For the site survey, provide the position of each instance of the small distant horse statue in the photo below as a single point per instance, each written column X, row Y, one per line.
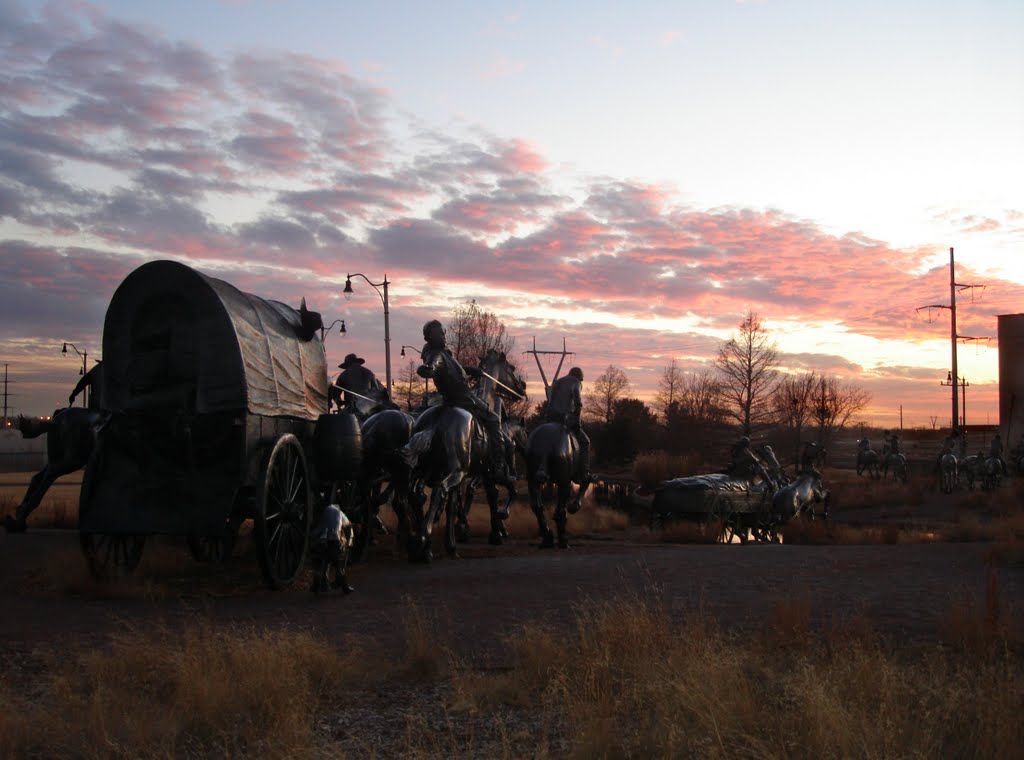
column 949, row 473
column 896, row 462
column 70, row 439
column 447, row 448
column 553, row 457
column 867, row 462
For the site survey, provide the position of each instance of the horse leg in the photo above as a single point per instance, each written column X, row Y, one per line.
column 37, row 488
column 416, row 520
column 420, row 549
column 495, row 537
column 452, row 504
column 465, row 505
column 547, row 540
column 564, row 491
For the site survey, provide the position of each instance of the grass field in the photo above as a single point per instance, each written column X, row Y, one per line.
column 625, row 680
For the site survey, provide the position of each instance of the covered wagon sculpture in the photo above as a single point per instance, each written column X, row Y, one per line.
column 724, row 504
column 217, row 402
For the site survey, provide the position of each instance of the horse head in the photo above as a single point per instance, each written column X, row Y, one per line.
column 509, row 382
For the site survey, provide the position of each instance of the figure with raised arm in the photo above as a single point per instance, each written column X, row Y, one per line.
column 452, row 381
column 565, row 407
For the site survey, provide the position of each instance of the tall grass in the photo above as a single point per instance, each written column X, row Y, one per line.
column 628, row 678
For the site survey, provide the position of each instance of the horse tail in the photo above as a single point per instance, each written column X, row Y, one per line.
column 417, row 446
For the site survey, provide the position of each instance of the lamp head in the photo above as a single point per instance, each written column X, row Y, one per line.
column 348, row 287
column 403, row 351
column 342, row 329
column 949, row 376
column 65, row 349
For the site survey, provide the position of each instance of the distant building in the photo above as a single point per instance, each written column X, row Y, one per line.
column 1011, row 376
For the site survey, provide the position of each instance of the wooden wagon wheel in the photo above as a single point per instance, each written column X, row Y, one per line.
column 108, row 555
column 721, row 511
column 284, row 511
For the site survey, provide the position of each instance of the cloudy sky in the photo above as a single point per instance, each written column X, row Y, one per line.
column 631, row 178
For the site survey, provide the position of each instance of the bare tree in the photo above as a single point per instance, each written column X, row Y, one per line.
column 612, row 385
column 833, row 403
column 410, row 388
column 473, row 330
column 746, row 363
column 812, row 399
column 471, row 333
column 669, row 389
column 792, row 402
column 700, row 396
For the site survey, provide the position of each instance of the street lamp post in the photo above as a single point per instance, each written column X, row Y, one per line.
column 325, row 331
column 83, row 370
column 387, row 326
column 426, row 380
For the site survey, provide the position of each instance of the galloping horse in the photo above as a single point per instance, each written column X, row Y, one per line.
column 498, row 379
column 70, row 439
column 553, row 456
column 867, row 461
column 799, row 497
column 447, row 448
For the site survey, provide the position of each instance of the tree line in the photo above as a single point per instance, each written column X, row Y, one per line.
column 744, row 390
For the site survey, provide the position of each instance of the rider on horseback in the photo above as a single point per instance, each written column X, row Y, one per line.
column 93, row 380
column 565, row 406
column 452, row 382
column 809, row 458
column 356, row 381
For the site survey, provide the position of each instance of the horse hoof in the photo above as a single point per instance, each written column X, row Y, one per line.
column 494, row 539
column 563, row 543
column 14, row 525
column 547, row 543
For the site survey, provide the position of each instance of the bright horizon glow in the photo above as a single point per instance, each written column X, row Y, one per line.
column 632, row 180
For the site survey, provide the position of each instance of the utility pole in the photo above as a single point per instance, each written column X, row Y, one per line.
column 536, row 357
column 7, row 395
column 954, row 377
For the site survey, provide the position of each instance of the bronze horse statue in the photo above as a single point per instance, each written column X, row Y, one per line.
column 447, row 449
column 553, row 458
column 868, row 462
column 498, row 380
column 70, row 440
column 798, row 499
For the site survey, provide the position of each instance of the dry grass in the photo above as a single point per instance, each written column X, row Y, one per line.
column 627, row 679
column 654, row 467
column 852, row 491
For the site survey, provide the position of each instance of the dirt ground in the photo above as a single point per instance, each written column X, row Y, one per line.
column 905, row 591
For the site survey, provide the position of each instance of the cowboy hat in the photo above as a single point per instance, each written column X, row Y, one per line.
column 350, row 361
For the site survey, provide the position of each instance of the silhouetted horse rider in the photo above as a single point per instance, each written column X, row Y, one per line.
column 354, row 385
column 565, row 406
column 452, row 381
column 745, row 464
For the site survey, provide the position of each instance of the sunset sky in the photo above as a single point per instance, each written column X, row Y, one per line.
column 629, row 177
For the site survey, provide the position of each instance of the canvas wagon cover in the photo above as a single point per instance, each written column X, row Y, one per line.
column 175, row 338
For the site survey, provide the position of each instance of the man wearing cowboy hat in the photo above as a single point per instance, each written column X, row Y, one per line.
column 356, row 378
